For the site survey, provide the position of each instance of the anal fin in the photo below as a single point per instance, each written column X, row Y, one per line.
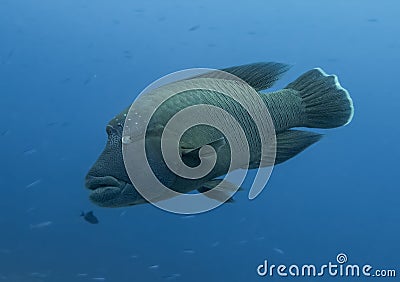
column 292, row 142
column 219, row 190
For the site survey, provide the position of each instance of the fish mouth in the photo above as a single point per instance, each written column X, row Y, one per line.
column 98, row 182
column 107, row 191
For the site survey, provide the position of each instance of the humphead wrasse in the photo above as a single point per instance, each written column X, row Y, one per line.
column 314, row 100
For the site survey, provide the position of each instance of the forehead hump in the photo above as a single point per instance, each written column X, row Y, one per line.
column 119, row 119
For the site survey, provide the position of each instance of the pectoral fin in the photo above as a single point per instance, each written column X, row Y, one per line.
column 186, row 148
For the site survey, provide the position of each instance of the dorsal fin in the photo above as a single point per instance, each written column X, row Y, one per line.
column 261, row 75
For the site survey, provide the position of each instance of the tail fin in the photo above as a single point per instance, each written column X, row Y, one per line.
column 327, row 104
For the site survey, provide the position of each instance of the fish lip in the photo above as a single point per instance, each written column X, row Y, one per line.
column 109, row 192
column 116, row 196
column 104, row 190
column 95, row 182
column 104, row 196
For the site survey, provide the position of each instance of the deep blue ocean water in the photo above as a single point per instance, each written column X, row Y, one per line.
column 67, row 67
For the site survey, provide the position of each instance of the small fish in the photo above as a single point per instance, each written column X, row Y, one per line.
column 82, row 275
column 41, row 224
column 90, row 217
column 8, row 57
column 65, row 80
column 193, row 28
column 10, row 54
column 34, row 183
column 89, row 79
column 155, row 266
column 172, row 276
column 99, row 278
column 5, row 132
column 189, row 251
column 52, row 123
column 30, row 152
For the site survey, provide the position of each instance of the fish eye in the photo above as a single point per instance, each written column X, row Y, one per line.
column 109, row 129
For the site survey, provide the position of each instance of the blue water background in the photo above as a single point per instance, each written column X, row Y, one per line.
column 67, row 67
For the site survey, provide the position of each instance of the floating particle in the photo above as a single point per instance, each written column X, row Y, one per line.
column 38, row 275
column 188, row 216
column 41, row 224
column 279, row 251
column 215, row 244
column 5, row 251
column 30, row 210
column 33, row 184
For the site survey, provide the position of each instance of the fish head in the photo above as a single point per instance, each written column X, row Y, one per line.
column 107, row 179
